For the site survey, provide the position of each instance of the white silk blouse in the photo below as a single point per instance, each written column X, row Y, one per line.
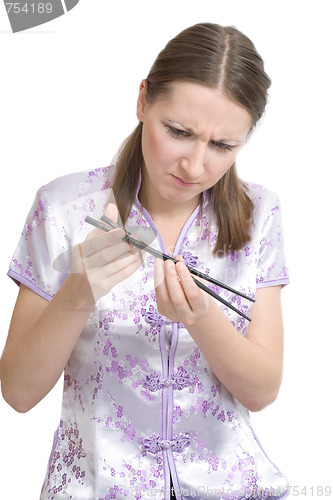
column 140, row 402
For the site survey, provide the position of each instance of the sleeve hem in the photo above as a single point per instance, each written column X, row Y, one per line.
column 281, row 282
column 17, row 278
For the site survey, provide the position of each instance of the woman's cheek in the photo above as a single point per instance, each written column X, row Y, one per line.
column 153, row 146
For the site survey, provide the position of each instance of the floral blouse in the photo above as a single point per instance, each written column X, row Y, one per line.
column 140, row 402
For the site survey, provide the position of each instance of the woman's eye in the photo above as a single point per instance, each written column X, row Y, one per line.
column 221, row 146
column 178, row 133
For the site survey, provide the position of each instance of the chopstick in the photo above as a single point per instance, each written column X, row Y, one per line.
column 156, row 253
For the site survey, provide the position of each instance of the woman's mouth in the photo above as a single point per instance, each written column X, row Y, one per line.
column 181, row 182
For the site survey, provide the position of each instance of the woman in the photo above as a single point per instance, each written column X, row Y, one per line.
column 159, row 377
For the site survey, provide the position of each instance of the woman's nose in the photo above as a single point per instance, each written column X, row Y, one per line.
column 194, row 160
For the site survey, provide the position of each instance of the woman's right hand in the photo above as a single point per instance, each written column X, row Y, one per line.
column 103, row 260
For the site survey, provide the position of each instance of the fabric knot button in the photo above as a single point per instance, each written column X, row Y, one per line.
column 155, row 444
column 182, row 379
column 166, row 444
column 190, row 260
column 152, row 382
column 179, row 380
column 153, row 317
column 152, row 444
column 181, row 442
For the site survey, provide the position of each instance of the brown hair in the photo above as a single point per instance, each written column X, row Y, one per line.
column 218, row 57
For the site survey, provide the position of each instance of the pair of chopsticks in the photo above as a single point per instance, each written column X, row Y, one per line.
column 156, row 253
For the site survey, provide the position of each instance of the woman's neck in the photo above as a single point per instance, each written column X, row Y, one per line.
column 169, row 218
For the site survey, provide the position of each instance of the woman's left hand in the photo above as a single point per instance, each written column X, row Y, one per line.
column 177, row 296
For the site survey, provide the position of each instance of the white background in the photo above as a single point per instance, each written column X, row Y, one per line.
column 67, row 99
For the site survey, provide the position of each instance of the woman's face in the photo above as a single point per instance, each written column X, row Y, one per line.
column 190, row 138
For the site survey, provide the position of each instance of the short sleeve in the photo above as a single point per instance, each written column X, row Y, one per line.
column 271, row 268
column 42, row 258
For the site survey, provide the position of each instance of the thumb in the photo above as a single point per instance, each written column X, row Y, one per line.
column 111, row 211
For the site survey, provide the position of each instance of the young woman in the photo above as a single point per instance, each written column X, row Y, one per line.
column 159, row 376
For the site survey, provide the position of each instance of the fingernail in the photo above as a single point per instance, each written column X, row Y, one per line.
column 180, row 268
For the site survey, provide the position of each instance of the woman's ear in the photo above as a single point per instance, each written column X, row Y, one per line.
column 141, row 102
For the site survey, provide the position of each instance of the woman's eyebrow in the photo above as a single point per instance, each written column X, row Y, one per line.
column 188, row 129
column 178, row 124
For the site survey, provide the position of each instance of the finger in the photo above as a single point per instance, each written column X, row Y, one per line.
column 111, row 254
column 102, row 280
column 119, row 266
column 111, row 211
column 121, row 275
column 192, row 292
column 95, row 232
column 114, row 267
column 174, row 285
column 97, row 241
column 186, row 272
column 159, row 280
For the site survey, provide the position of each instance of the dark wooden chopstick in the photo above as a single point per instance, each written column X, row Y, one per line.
column 156, row 253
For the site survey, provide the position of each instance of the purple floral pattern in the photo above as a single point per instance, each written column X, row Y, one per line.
column 64, row 463
column 134, row 377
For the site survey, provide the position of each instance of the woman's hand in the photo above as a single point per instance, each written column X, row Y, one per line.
column 249, row 367
column 103, row 260
column 177, row 296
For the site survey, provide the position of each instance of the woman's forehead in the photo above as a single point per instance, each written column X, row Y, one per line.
column 200, row 109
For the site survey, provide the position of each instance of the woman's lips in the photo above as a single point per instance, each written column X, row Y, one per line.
column 180, row 181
